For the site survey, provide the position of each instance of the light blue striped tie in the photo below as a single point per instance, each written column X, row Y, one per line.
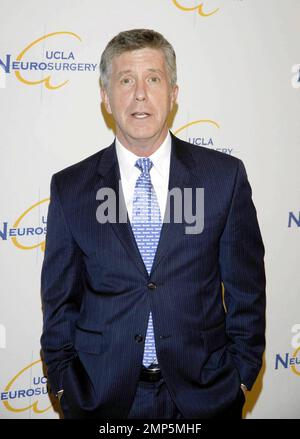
column 146, row 226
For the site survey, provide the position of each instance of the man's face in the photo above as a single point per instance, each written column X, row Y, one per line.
column 140, row 97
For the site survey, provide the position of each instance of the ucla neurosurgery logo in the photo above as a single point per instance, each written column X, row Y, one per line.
column 207, row 133
column 203, row 8
column 48, row 60
column 27, row 390
column 290, row 360
column 28, row 231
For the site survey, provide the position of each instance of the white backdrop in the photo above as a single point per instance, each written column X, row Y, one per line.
column 239, row 79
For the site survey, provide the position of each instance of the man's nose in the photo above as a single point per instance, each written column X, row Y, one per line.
column 140, row 91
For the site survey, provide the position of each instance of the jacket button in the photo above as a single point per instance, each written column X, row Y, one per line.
column 151, row 286
column 139, row 338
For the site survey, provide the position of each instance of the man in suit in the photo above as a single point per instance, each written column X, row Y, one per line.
column 143, row 318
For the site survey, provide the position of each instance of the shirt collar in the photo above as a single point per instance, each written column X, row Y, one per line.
column 160, row 158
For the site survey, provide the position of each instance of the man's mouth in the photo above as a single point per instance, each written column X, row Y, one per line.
column 140, row 115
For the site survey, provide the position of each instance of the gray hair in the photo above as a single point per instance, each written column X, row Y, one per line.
column 135, row 39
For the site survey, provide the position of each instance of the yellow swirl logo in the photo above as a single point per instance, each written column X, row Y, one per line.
column 17, row 226
column 288, row 360
column 196, row 122
column 45, row 80
column 47, row 60
column 29, row 228
column 199, row 8
column 295, row 360
column 206, row 133
column 17, row 394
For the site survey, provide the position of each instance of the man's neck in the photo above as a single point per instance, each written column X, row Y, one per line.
column 142, row 147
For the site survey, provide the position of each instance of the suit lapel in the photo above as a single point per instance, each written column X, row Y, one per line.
column 181, row 167
column 109, row 170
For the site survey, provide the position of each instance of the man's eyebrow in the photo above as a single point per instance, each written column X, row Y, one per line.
column 126, row 72
column 156, row 71
column 123, row 72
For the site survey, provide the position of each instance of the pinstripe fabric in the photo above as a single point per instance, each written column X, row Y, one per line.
column 146, row 226
column 96, row 299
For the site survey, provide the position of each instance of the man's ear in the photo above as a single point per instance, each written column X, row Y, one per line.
column 105, row 99
column 174, row 94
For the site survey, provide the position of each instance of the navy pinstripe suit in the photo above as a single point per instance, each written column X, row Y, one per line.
column 97, row 298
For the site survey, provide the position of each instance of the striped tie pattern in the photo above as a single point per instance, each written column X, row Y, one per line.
column 146, row 226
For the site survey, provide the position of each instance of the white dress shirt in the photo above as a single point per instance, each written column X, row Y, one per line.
column 159, row 173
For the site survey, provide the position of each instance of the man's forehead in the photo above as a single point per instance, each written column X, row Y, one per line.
column 154, row 58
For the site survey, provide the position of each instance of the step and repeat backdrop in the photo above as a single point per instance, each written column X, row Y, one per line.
column 239, row 80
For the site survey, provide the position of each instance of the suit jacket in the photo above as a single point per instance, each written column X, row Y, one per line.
column 97, row 295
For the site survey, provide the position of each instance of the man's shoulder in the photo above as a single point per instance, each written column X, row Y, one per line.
column 82, row 170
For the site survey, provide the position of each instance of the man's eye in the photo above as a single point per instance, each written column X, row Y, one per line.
column 154, row 79
column 126, row 81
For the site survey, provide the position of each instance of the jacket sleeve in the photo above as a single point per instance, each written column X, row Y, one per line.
column 60, row 290
column 241, row 262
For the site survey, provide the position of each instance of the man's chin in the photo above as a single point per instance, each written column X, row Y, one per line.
column 143, row 136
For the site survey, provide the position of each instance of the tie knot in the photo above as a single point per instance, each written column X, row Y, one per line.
column 144, row 164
